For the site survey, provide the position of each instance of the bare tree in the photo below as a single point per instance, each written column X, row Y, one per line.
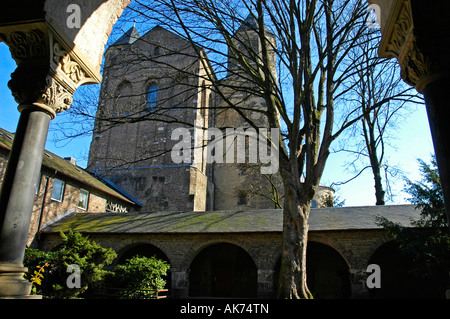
column 298, row 66
column 313, row 40
column 377, row 91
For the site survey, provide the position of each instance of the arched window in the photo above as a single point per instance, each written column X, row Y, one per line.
column 203, row 103
column 152, row 96
column 123, row 89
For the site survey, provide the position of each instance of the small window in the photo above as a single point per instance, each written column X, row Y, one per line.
column 123, row 89
column 203, row 103
column 242, row 198
column 156, row 50
column 84, row 199
column 58, row 190
column 152, row 96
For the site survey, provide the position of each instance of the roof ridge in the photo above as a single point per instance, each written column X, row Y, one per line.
column 128, row 37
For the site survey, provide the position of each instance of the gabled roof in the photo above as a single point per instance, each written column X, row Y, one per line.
column 74, row 172
column 267, row 220
column 129, row 37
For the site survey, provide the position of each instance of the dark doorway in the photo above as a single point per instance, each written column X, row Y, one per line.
column 328, row 275
column 398, row 280
column 223, row 270
column 222, row 285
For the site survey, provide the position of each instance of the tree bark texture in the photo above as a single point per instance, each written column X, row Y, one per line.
column 292, row 283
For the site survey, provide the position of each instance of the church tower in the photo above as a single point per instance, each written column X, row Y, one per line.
column 241, row 185
column 143, row 100
column 156, row 85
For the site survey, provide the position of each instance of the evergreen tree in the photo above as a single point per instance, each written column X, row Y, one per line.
column 428, row 242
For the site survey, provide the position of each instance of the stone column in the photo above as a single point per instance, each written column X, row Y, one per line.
column 43, row 85
column 17, row 198
column 180, row 283
column 358, row 278
column 265, row 284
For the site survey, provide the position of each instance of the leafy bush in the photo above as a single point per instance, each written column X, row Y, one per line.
column 75, row 249
column 88, row 255
column 141, row 277
column 39, row 264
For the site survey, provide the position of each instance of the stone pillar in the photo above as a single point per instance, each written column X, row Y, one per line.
column 438, row 105
column 17, row 198
column 180, row 283
column 265, row 284
column 43, row 85
column 358, row 278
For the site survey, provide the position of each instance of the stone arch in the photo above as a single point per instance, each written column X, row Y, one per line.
column 393, row 271
column 333, row 244
column 122, row 89
column 223, row 270
column 122, row 97
column 328, row 272
column 53, row 59
column 197, row 249
column 142, row 249
column 395, row 277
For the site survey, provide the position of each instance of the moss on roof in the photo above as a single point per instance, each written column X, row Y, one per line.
column 166, row 222
column 268, row 220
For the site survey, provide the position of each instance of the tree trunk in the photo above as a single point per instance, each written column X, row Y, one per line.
column 369, row 128
column 292, row 281
column 375, row 164
column 379, row 192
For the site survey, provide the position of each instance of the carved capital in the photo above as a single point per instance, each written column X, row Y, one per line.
column 26, row 45
column 55, row 99
column 48, row 70
column 39, row 90
column 406, row 39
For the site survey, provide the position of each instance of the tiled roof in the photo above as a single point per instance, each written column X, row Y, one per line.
column 269, row 220
column 54, row 162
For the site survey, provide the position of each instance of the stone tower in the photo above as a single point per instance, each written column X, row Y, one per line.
column 155, row 85
column 142, row 102
column 241, row 185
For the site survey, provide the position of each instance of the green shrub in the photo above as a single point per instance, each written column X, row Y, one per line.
column 75, row 249
column 88, row 255
column 141, row 277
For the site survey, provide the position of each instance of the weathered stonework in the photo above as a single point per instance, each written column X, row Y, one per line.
column 355, row 248
column 136, row 154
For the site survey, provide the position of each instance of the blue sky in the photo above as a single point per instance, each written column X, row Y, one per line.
column 412, row 141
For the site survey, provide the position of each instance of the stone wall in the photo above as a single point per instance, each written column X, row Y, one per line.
column 353, row 246
column 135, row 152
